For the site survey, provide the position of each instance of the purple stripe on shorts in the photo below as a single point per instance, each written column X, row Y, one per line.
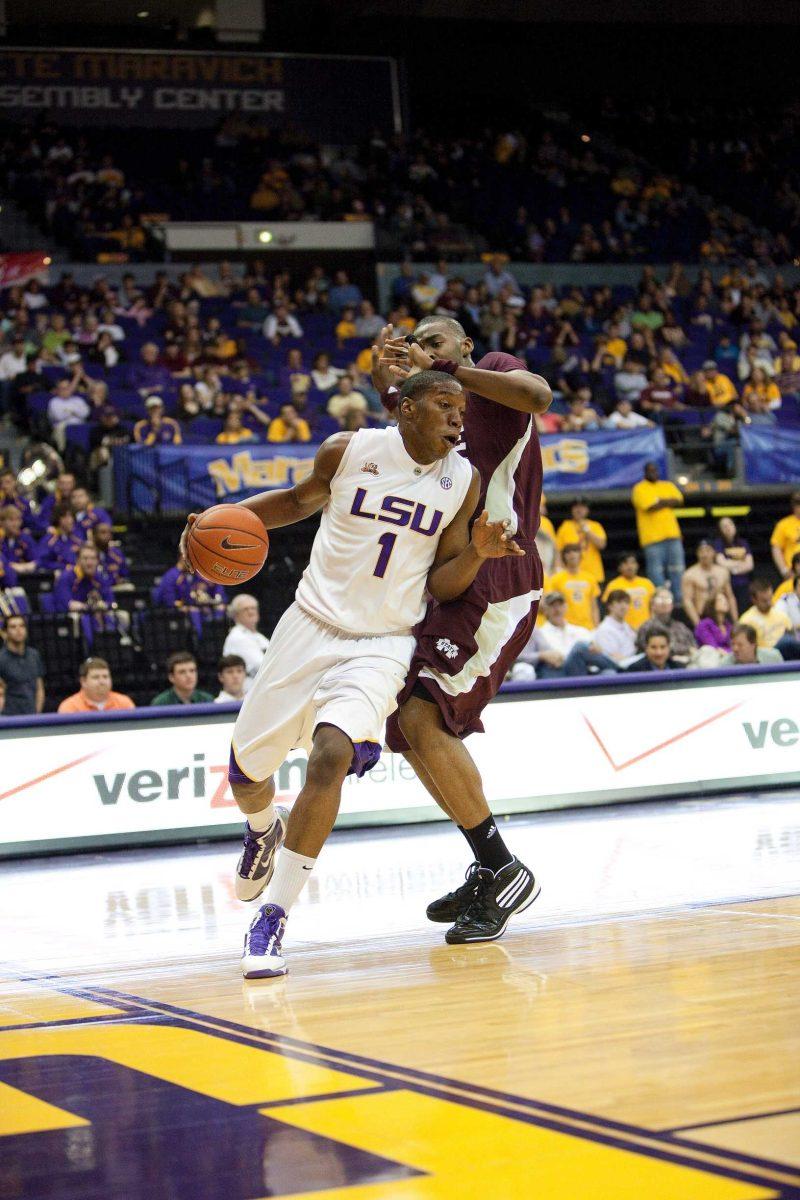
column 235, row 772
column 365, row 756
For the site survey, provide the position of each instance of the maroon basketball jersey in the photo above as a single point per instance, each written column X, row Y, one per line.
column 504, row 445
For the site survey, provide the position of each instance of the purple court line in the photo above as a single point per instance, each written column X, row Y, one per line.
column 775, row 1112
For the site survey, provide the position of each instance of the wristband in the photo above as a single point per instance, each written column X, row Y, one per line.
column 390, row 399
column 446, row 365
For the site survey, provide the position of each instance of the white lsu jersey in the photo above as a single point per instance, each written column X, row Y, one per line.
column 378, row 535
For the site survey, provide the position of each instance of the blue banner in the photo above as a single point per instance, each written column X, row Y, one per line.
column 607, row 459
column 174, row 480
column 771, row 455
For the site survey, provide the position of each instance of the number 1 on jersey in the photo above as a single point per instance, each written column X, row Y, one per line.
column 386, row 542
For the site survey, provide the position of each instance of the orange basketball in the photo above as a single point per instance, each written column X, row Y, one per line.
column 227, row 544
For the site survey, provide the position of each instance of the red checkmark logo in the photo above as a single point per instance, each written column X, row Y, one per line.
column 661, row 745
column 49, row 774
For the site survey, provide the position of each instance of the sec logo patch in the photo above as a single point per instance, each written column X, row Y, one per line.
column 446, row 482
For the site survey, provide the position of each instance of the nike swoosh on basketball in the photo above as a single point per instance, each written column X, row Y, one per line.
column 227, row 544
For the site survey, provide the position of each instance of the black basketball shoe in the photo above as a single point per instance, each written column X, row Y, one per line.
column 448, row 907
column 496, row 899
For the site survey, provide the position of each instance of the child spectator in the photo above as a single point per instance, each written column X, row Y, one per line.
column 715, row 625
column 579, row 530
column 579, row 589
column 182, row 676
column 581, row 417
column 94, row 693
column 638, row 588
column 232, row 677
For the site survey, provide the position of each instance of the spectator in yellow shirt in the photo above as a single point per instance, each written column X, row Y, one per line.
column 639, row 589
column 589, row 535
column 289, row 427
column 761, row 395
column 579, row 589
column 784, row 589
column 346, row 327
column 654, row 499
column 615, row 344
column 234, row 431
column 785, row 540
column 773, row 627
column 719, row 388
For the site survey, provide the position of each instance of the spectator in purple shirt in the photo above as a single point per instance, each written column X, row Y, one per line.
column 84, row 587
column 181, row 588
column 59, row 548
column 148, row 375
column 715, row 624
column 86, row 512
column 17, row 548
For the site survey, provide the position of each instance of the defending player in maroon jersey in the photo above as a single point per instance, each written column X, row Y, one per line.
column 465, row 648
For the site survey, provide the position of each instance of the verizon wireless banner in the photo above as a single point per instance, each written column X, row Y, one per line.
column 136, row 782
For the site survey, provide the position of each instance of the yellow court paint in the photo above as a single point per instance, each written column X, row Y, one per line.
column 469, row 1154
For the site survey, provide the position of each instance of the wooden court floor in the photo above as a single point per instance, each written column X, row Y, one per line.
column 634, row 1035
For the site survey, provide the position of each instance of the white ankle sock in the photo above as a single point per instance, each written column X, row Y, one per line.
column 260, row 822
column 292, row 873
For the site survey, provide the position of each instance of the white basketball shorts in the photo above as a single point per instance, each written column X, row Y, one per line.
column 311, row 675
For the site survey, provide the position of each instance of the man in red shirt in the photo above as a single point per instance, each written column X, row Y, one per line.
column 466, row 646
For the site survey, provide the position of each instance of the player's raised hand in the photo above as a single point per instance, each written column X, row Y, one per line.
column 190, row 520
column 491, row 539
column 416, row 360
column 391, row 349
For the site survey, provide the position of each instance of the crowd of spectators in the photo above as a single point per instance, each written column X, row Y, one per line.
column 563, row 189
column 216, row 356
column 714, row 613
column 246, row 355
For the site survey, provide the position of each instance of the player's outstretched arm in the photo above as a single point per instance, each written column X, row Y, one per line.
column 520, row 390
column 459, row 555
column 287, row 506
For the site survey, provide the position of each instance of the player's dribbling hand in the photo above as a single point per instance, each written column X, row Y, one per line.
column 190, row 520
column 491, row 539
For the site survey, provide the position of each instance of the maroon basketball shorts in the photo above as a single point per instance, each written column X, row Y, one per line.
column 464, row 650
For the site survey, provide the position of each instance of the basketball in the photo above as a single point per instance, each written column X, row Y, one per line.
column 227, row 544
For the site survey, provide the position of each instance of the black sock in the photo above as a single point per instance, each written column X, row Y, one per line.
column 468, row 838
column 489, row 847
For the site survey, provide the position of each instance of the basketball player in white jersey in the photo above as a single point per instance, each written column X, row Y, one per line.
column 397, row 505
